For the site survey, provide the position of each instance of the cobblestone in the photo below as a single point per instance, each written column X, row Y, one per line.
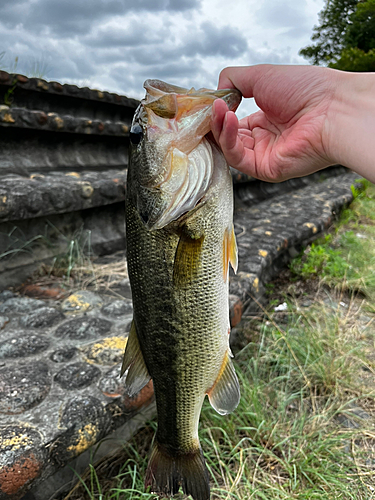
column 81, row 301
column 83, row 328
column 117, row 308
column 20, row 305
column 23, row 386
column 41, row 318
column 19, row 347
column 77, row 375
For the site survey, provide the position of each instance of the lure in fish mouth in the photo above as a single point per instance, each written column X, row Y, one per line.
column 180, row 242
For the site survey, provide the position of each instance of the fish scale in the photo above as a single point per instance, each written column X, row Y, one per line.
column 179, row 279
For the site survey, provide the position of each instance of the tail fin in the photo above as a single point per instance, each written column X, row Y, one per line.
column 165, row 473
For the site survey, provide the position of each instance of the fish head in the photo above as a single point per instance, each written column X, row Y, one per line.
column 171, row 164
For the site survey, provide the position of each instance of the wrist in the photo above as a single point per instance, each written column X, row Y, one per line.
column 349, row 132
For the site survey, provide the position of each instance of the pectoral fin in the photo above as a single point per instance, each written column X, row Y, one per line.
column 229, row 252
column 224, row 395
column 133, row 361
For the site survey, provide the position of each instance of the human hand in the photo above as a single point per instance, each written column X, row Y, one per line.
column 289, row 136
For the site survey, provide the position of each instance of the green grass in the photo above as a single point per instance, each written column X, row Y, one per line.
column 301, row 373
column 345, row 257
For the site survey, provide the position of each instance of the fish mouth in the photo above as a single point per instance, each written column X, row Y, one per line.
column 183, row 114
column 171, row 97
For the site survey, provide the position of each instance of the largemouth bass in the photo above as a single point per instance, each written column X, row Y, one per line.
column 180, row 241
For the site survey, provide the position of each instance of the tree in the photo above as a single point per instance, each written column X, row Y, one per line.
column 361, row 31
column 345, row 38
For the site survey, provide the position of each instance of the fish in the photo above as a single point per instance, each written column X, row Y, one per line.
column 180, row 242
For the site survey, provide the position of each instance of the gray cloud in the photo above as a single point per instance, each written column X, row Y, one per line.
column 212, row 40
column 131, row 34
column 65, row 17
column 13, row 13
column 204, row 40
column 287, row 14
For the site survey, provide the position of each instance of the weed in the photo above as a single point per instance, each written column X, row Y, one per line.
column 37, row 69
column 75, row 261
column 16, row 243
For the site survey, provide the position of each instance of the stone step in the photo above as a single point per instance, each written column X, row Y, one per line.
column 64, row 99
column 49, row 127
column 60, row 391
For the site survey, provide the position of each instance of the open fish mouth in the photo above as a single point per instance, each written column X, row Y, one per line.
column 177, row 166
column 170, row 101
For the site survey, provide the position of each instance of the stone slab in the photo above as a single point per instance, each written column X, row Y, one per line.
column 56, row 193
column 39, row 120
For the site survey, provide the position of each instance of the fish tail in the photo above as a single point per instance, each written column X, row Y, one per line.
column 166, row 473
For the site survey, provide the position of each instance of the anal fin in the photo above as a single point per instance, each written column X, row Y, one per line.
column 137, row 376
column 224, row 395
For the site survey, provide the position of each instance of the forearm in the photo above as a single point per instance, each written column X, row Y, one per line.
column 349, row 132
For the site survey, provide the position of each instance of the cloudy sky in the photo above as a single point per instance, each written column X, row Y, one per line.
column 115, row 45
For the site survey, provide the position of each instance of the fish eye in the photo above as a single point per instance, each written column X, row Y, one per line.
column 136, row 134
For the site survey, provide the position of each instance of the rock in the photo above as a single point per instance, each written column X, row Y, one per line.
column 345, row 418
column 81, row 410
column 41, row 318
column 108, row 351
column 22, row 459
column 22, row 387
column 111, row 384
column 77, row 375
column 19, row 347
column 118, row 308
column 81, row 301
column 20, row 305
column 5, row 295
column 84, row 328
column 62, row 355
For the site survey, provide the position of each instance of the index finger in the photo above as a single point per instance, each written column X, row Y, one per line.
column 243, row 78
